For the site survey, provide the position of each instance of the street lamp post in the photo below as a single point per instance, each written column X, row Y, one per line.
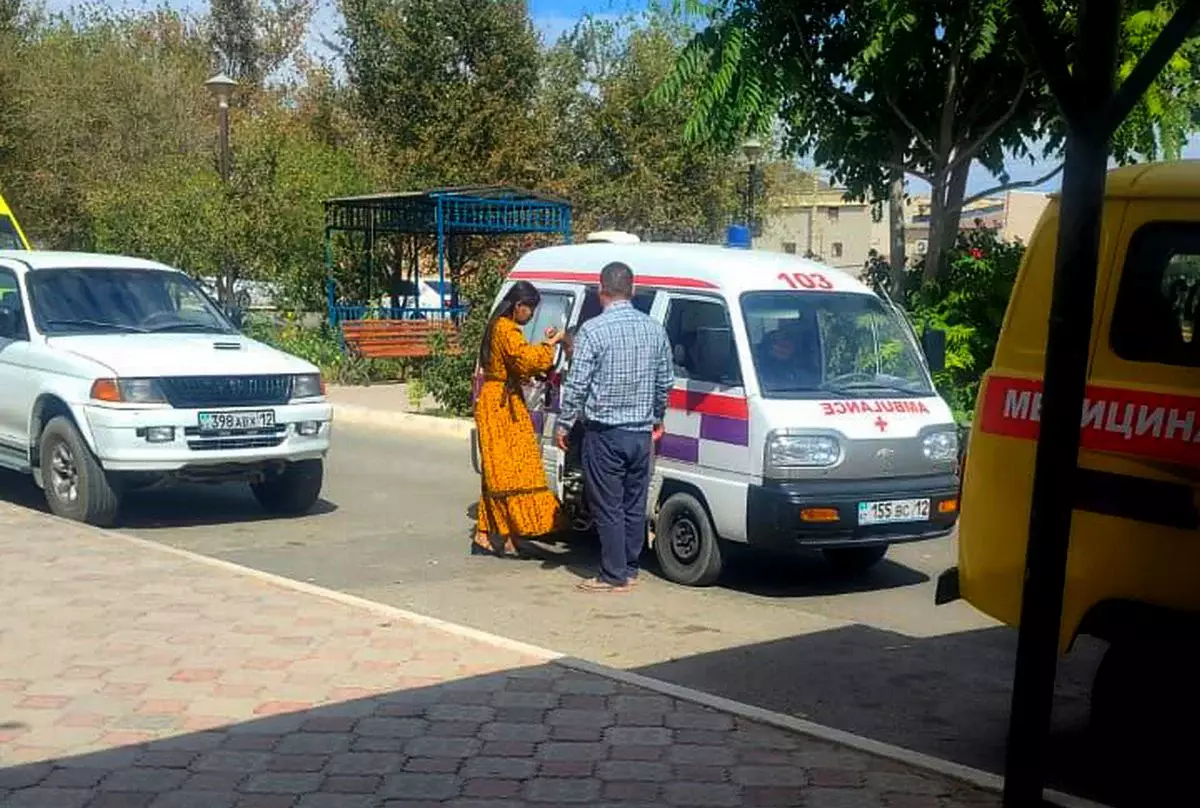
column 221, row 86
column 753, row 149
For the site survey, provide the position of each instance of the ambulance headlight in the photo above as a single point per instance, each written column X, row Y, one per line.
column 802, row 451
column 941, row 446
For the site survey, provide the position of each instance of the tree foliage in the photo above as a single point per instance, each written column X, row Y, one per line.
column 874, row 91
column 449, row 85
column 616, row 149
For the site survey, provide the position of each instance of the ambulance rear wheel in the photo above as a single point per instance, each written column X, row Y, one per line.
column 686, row 543
column 855, row 560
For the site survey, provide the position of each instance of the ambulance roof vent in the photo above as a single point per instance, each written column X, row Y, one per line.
column 612, row 237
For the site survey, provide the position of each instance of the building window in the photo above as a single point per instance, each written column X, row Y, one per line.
column 833, row 214
column 1157, row 301
column 789, row 247
column 836, row 249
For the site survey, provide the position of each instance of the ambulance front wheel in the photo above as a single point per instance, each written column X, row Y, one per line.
column 686, row 543
column 855, row 560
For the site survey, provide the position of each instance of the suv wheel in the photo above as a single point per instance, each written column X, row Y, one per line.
column 75, row 485
column 293, row 491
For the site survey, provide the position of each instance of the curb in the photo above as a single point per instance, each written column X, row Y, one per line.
column 918, row 760
column 407, row 422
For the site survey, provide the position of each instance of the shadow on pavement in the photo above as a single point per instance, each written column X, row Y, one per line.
column 178, row 506
column 542, row 734
column 947, row 696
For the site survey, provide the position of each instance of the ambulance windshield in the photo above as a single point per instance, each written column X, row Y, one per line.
column 831, row 345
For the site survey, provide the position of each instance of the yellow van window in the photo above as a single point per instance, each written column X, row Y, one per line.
column 1156, row 309
column 9, row 240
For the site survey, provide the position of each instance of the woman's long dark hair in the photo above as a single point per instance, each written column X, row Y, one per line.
column 521, row 292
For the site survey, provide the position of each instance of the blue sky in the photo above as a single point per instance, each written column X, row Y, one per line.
column 555, row 17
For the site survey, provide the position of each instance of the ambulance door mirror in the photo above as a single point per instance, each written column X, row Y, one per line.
column 933, row 343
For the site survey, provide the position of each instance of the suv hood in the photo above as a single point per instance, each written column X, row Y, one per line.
column 156, row 355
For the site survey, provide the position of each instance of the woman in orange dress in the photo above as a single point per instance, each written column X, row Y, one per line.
column 514, row 501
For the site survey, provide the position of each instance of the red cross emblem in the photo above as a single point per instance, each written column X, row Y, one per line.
column 882, row 424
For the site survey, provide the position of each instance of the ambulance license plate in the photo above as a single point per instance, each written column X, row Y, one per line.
column 893, row 511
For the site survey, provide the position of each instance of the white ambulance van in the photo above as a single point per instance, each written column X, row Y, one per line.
column 803, row 415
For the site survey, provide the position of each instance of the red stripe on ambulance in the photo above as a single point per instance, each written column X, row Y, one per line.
column 709, row 404
column 1133, row 422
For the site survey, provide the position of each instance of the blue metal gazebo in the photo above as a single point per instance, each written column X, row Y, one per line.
column 448, row 216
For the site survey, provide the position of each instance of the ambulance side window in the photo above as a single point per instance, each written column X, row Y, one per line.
column 1155, row 315
column 552, row 311
column 702, row 341
column 642, row 301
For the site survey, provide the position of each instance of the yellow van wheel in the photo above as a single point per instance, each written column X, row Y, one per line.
column 1140, row 689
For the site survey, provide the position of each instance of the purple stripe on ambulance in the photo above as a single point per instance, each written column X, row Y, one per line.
column 725, row 430
column 539, row 420
column 679, row 447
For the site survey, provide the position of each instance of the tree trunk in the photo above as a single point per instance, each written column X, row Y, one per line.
column 937, row 204
column 896, row 245
column 952, row 213
column 945, row 212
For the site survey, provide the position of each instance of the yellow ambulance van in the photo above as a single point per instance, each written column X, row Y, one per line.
column 1133, row 572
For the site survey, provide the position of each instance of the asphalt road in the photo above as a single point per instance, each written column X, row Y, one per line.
column 871, row 655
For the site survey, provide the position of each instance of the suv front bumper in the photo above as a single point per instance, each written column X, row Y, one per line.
column 120, row 437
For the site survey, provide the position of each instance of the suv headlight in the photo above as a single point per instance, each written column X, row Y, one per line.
column 802, row 451
column 940, row 447
column 308, row 385
column 128, row 391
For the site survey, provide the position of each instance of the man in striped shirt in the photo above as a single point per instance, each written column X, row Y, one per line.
column 618, row 384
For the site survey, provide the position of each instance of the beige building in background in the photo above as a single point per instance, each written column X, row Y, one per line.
column 1013, row 214
column 817, row 221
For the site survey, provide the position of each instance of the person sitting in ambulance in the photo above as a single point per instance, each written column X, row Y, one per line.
column 780, row 365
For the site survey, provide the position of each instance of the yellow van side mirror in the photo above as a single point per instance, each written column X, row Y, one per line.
column 933, row 343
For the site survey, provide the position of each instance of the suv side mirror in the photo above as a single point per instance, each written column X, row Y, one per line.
column 933, row 343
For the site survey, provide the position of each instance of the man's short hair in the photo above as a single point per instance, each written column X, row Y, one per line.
column 616, row 280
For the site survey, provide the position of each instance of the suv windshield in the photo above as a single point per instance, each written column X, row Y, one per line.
column 115, row 301
column 831, row 344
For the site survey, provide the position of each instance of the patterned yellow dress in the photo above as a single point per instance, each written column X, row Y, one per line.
column 514, row 499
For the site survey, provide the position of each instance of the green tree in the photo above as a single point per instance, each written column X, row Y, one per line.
column 268, row 222
column 110, row 94
column 449, row 85
column 618, row 150
column 254, row 38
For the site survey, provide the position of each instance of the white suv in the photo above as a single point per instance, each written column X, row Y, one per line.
column 118, row 374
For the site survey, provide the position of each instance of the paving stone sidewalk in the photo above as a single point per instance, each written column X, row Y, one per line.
column 133, row 677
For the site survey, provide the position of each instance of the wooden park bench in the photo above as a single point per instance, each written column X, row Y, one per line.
column 396, row 339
